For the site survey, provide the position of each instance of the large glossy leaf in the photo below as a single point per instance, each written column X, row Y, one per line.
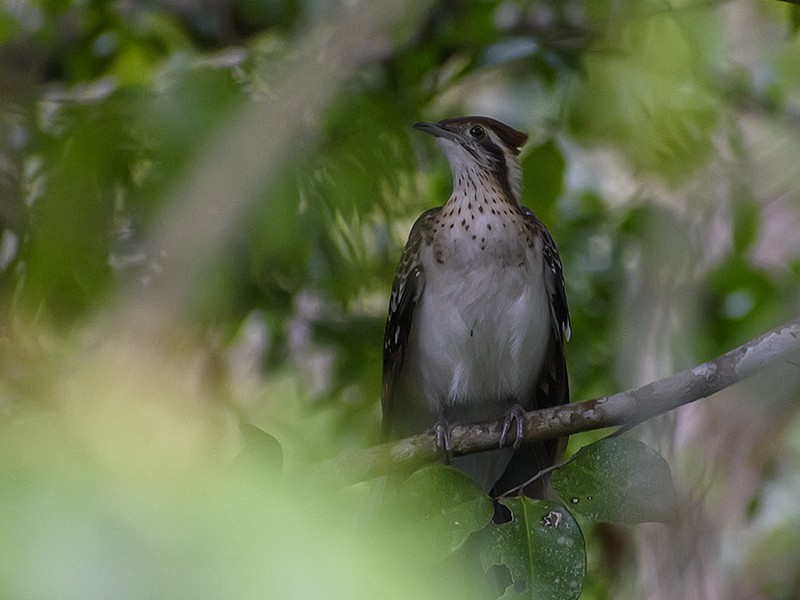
column 617, row 480
column 442, row 508
column 543, row 549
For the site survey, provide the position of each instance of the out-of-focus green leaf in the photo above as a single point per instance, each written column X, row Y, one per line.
column 67, row 253
column 772, row 557
column 280, row 237
column 794, row 18
column 543, row 176
column 470, row 26
column 261, row 450
column 8, row 27
column 254, row 15
column 617, row 480
column 542, row 547
column 746, row 222
column 646, row 91
column 359, row 365
column 442, row 508
column 740, row 302
column 172, row 525
column 132, row 65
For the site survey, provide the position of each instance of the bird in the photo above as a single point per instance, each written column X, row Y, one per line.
column 478, row 317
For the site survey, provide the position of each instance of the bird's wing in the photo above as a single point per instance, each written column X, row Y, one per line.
column 553, row 278
column 552, row 386
column 409, row 282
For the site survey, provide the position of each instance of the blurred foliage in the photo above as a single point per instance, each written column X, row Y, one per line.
column 663, row 157
column 445, row 504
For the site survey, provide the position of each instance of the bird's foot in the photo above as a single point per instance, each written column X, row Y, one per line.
column 443, row 441
column 515, row 414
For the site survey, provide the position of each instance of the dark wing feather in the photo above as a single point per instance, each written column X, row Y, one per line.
column 407, row 287
column 552, row 386
column 553, row 277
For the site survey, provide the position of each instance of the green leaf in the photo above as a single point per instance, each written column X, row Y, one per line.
column 512, row 594
column 542, row 547
column 772, row 556
column 261, row 450
column 617, row 480
column 543, row 176
column 649, row 96
column 445, row 505
column 746, row 223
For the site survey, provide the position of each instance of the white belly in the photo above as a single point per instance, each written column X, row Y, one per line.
column 478, row 337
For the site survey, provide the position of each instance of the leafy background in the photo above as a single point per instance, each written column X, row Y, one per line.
column 202, row 205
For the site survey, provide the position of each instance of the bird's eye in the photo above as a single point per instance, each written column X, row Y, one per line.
column 476, row 132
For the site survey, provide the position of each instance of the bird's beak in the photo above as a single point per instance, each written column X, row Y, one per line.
column 435, row 129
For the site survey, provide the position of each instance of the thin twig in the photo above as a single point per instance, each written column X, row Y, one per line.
column 518, row 489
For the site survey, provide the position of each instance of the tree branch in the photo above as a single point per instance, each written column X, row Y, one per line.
column 624, row 408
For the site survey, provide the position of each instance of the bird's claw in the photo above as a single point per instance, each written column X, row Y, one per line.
column 443, row 441
column 515, row 413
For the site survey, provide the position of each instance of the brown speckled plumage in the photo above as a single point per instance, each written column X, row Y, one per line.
column 478, row 314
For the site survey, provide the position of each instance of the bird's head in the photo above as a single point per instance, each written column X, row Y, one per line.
column 480, row 145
